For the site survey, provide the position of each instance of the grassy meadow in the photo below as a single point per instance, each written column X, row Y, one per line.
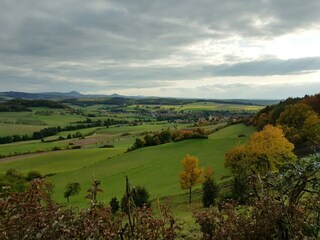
column 156, row 167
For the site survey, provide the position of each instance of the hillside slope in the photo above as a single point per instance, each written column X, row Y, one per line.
column 156, row 168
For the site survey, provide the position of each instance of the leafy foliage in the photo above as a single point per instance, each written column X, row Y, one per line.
column 265, row 151
column 72, row 189
column 299, row 119
column 114, row 204
column 287, row 208
column 12, row 181
column 191, row 175
column 33, row 215
column 210, row 189
column 33, row 175
column 140, row 197
column 168, row 135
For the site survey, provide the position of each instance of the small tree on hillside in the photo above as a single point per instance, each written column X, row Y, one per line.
column 140, row 197
column 210, row 189
column 114, row 204
column 191, row 175
column 33, row 175
column 72, row 189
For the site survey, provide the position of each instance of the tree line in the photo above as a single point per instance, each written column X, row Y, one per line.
column 21, row 105
column 169, row 135
column 51, row 131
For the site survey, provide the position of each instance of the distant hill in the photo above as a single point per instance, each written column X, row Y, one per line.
column 46, row 95
column 21, row 105
column 58, row 96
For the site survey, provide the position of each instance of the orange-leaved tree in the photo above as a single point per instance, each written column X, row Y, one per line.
column 191, row 174
column 265, row 151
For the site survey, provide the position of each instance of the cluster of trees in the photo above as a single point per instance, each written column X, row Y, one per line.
column 283, row 205
column 298, row 117
column 168, row 135
column 193, row 175
column 272, row 194
column 106, row 123
column 51, row 131
column 13, row 181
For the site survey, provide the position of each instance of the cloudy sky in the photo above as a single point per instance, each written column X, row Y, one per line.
column 180, row 48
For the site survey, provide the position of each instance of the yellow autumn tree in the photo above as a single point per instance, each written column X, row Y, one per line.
column 265, row 151
column 191, row 174
column 300, row 123
column 311, row 128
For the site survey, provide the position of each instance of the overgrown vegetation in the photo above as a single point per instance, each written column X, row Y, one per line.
column 33, row 215
column 298, row 117
column 285, row 207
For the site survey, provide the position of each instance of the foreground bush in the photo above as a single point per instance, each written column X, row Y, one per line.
column 286, row 207
column 33, row 215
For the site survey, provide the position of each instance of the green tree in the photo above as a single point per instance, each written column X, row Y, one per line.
column 33, row 175
column 210, row 189
column 114, row 204
column 12, row 181
column 72, row 189
column 140, row 197
column 191, row 174
column 300, row 123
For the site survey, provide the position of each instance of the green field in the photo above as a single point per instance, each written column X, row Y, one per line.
column 21, row 123
column 156, row 168
column 199, row 106
column 122, row 137
column 7, row 129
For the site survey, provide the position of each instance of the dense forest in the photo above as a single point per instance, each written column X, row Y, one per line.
column 298, row 117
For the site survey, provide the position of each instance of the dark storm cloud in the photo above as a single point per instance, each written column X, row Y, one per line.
column 43, row 42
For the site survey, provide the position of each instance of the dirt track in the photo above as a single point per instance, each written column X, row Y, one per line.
column 18, row 157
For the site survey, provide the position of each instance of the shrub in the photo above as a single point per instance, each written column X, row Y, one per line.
column 72, row 189
column 210, row 192
column 114, row 204
column 140, row 197
column 33, row 175
column 34, row 215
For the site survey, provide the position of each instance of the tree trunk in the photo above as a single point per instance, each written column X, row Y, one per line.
column 190, row 195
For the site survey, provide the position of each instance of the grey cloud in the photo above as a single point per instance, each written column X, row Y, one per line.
column 266, row 67
column 144, row 29
column 255, row 91
column 43, row 42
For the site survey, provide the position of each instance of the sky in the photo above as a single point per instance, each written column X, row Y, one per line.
column 267, row 49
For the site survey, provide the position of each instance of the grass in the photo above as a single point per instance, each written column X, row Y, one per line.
column 156, row 168
column 29, row 147
column 60, row 161
column 123, row 137
column 56, row 118
column 7, row 129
